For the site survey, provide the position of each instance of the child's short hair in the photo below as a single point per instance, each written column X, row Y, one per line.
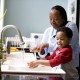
column 66, row 30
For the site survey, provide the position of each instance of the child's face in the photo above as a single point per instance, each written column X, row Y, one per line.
column 62, row 39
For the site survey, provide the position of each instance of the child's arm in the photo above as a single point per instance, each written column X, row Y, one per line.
column 34, row 64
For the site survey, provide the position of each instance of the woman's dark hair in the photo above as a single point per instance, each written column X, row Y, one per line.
column 66, row 30
column 62, row 13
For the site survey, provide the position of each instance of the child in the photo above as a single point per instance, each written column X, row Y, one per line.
column 62, row 55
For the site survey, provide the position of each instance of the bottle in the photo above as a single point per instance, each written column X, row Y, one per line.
column 36, row 43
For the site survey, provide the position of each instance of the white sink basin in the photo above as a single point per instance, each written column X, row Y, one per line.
column 18, row 61
column 18, row 64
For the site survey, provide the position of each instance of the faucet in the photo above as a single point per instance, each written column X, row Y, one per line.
column 14, row 27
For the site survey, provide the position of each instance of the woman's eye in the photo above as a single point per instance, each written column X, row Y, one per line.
column 57, row 39
column 60, row 39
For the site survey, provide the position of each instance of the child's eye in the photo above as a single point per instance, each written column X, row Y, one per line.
column 62, row 39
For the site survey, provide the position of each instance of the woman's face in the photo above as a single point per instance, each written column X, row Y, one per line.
column 62, row 39
column 55, row 19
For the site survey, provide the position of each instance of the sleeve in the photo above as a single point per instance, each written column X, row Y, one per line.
column 46, row 36
column 74, row 29
column 61, row 58
column 75, row 42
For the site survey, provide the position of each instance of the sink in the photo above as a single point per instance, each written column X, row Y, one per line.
column 18, row 61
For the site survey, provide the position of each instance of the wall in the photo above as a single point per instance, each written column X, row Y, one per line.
column 1, row 13
column 30, row 15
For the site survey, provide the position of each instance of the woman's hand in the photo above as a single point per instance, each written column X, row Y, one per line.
column 40, row 47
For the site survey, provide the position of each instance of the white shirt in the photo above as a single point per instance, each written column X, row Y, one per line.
column 48, row 37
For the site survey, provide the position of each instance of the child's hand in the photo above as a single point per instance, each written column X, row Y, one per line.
column 33, row 64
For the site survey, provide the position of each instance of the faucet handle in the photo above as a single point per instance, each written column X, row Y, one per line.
column 22, row 43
